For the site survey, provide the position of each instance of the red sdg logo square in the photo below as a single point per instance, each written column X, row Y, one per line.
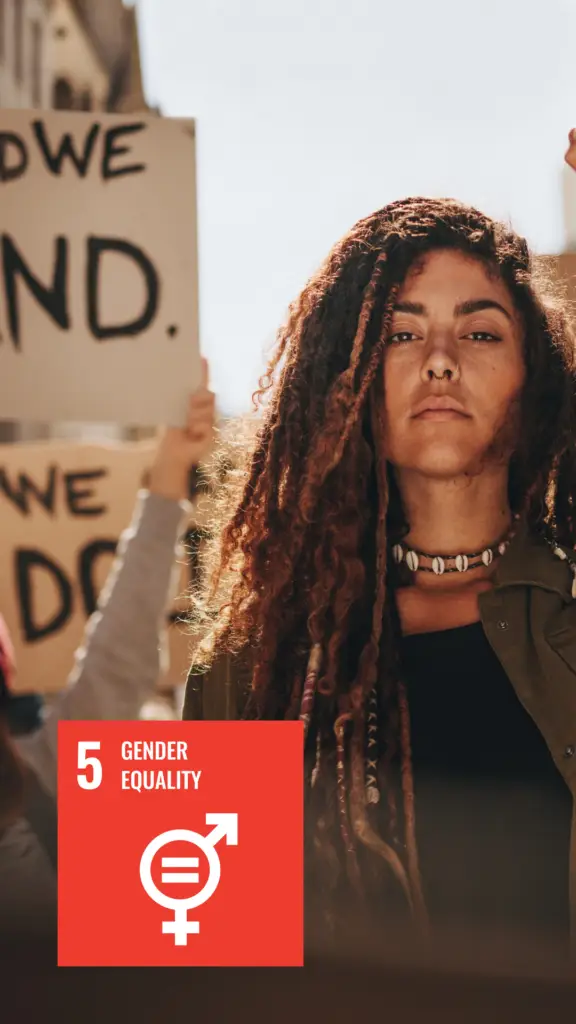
column 180, row 844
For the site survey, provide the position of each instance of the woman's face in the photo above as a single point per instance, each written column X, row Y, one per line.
column 453, row 368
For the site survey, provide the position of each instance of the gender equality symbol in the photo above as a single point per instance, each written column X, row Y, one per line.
column 226, row 826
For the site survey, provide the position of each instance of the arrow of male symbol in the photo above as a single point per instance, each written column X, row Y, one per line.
column 225, row 827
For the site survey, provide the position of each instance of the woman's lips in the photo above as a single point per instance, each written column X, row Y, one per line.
column 439, row 408
column 439, row 415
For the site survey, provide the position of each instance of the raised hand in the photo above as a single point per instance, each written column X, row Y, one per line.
column 179, row 449
column 570, row 155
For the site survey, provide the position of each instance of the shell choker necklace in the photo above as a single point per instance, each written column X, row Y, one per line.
column 423, row 561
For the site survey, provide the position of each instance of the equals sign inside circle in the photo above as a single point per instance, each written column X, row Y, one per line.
column 180, row 876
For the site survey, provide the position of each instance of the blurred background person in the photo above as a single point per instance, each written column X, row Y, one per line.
column 115, row 674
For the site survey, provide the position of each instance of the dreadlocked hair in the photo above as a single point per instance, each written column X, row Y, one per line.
column 300, row 556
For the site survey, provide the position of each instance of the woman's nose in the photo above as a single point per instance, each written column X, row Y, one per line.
column 440, row 363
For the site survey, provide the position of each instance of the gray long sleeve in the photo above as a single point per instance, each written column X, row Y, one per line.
column 116, row 669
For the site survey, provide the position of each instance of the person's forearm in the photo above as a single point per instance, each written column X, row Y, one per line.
column 116, row 669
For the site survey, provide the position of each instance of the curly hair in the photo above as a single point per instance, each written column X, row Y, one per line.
column 301, row 551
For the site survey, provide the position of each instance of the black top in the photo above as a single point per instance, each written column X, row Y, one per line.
column 492, row 811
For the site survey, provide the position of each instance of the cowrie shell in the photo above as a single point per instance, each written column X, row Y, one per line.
column 412, row 560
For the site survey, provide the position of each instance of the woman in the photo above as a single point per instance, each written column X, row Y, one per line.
column 399, row 573
column 116, row 672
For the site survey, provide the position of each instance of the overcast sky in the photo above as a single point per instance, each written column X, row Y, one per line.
column 312, row 113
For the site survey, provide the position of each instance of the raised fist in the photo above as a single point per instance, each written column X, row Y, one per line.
column 570, row 156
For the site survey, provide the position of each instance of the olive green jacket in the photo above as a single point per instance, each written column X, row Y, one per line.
column 530, row 620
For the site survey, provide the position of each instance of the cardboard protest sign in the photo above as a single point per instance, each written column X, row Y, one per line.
column 62, row 510
column 98, row 268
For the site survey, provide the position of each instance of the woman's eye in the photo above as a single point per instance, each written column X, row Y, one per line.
column 483, row 336
column 400, row 336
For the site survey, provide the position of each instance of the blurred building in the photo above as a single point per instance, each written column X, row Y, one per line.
column 71, row 55
column 24, row 76
column 93, row 53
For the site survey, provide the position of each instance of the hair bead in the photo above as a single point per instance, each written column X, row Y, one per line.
column 372, row 791
column 309, row 691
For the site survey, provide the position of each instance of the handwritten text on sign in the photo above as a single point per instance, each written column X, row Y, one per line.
column 62, row 510
column 98, row 268
column 172, row 874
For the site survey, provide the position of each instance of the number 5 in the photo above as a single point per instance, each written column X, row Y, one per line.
column 89, row 762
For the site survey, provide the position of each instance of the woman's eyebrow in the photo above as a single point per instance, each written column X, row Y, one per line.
column 417, row 308
column 462, row 309
column 477, row 305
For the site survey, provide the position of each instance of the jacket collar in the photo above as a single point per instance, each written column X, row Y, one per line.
column 529, row 561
